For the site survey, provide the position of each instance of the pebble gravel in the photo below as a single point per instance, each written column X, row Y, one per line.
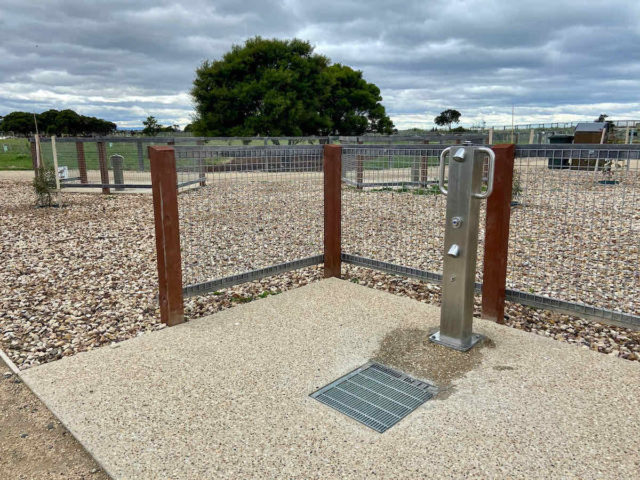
column 82, row 276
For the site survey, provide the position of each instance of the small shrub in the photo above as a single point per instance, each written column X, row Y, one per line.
column 516, row 189
column 44, row 185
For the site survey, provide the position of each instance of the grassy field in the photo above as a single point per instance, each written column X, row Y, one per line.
column 15, row 154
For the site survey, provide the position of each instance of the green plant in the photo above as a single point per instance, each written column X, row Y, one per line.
column 430, row 190
column 516, row 189
column 44, row 185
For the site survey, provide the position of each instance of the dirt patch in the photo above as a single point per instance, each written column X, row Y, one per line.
column 411, row 351
column 33, row 443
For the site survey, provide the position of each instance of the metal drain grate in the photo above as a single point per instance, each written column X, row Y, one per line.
column 375, row 395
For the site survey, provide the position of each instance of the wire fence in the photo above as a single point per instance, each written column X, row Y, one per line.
column 393, row 210
column 259, row 208
column 574, row 241
column 575, row 225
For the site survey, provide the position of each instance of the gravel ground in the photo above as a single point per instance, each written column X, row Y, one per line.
column 79, row 277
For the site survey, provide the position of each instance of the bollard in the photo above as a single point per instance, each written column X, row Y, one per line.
column 118, row 177
column 140, row 155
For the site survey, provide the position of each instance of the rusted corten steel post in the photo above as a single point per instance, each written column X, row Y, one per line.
column 496, row 241
column 332, row 168
column 164, row 180
column 34, row 156
column 102, row 162
column 82, row 163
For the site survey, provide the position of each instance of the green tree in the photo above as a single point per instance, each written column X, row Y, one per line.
column 20, row 123
column 447, row 117
column 54, row 122
column 151, row 126
column 280, row 87
column 353, row 105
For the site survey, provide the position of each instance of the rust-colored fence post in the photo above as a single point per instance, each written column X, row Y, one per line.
column 164, row 180
column 332, row 167
column 34, row 155
column 82, row 163
column 359, row 171
column 104, row 170
column 496, row 241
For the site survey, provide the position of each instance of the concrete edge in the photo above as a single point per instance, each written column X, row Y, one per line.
column 12, row 366
column 18, row 373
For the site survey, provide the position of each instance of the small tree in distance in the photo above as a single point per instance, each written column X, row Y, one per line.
column 151, row 126
column 447, row 117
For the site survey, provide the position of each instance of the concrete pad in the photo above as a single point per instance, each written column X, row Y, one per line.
column 228, row 397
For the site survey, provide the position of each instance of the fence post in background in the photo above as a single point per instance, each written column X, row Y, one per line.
column 54, row 153
column 332, row 169
column 39, row 161
column 491, row 136
column 424, row 167
column 415, row 170
column 82, row 163
column 34, row 155
column 102, row 162
column 140, row 156
column 496, row 241
column 164, row 181
column 531, row 134
column 202, row 172
column 359, row 171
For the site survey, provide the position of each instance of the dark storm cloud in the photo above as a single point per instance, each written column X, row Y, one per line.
column 122, row 60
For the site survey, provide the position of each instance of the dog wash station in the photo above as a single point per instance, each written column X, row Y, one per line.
column 245, row 393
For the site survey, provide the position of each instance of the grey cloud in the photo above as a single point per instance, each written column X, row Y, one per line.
column 122, row 60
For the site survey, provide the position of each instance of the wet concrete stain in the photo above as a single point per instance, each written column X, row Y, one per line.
column 410, row 351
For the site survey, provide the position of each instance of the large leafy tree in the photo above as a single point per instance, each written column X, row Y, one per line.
column 280, row 87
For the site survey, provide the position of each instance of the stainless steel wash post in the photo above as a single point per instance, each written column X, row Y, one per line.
column 464, row 193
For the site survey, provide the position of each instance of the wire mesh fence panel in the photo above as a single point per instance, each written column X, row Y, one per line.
column 248, row 208
column 121, row 163
column 575, row 224
column 393, row 210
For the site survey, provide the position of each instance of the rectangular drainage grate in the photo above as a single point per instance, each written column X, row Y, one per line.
column 375, row 395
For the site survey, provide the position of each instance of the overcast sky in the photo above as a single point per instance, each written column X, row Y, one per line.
column 123, row 60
